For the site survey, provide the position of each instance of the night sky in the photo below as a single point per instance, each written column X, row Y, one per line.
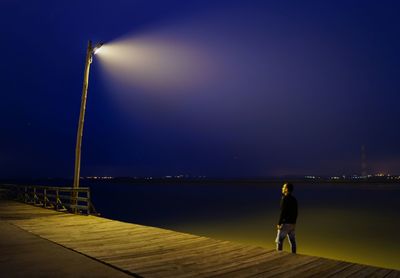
column 225, row 88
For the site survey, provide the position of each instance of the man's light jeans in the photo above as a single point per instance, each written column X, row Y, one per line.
column 289, row 231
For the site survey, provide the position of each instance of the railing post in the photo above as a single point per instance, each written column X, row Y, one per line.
column 57, row 199
column 44, row 198
column 88, row 202
column 75, row 200
column 34, row 196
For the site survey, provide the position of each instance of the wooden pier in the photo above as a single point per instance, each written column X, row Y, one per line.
column 143, row 251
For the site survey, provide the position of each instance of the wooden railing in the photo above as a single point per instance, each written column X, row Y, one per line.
column 76, row 200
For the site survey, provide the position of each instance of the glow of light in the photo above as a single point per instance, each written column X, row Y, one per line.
column 151, row 62
column 180, row 70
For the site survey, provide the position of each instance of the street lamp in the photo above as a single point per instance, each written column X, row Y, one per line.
column 89, row 57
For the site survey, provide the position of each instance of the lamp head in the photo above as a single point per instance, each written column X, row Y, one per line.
column 97, row 47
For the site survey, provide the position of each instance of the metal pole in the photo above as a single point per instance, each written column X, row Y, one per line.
column 81, row 121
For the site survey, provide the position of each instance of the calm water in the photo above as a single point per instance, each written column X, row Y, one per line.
column 357, row 223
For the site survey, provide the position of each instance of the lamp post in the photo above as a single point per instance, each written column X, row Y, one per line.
column 89, row 57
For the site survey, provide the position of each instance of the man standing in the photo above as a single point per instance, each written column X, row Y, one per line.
column 287, row 219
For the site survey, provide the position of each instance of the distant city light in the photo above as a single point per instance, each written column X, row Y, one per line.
column 100, row 178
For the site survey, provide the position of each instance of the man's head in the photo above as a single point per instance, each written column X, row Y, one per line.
column 287, row 189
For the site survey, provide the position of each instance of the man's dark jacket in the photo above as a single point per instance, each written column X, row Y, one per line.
column 288, row 210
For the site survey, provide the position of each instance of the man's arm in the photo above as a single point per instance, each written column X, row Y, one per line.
column 283, row 211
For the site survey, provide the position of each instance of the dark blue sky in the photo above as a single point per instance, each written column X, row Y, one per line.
column 302, row 86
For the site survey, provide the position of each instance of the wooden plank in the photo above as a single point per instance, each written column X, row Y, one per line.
column 182, row 269
column 393, row 274
column 156, row 258
column 255, row 267
column 138, row 243
column 72, row 230
column 93, row 228
column 307, row 269
column 207, row 269
column 381, row 272
column 348, row 272
column 365, row 271
column 87, row 238
column 177, row 251
column 150, row 250
column 213, row 261
column 65, row 219
column 130, row 254
column 88, row 230
column 291, row 267
column 117, row 239
column 153, row 254
column 86, row 234
column 82, row 240
column 82, row 230
column 331, row 271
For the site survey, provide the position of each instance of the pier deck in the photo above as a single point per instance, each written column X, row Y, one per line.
column 144, row 251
